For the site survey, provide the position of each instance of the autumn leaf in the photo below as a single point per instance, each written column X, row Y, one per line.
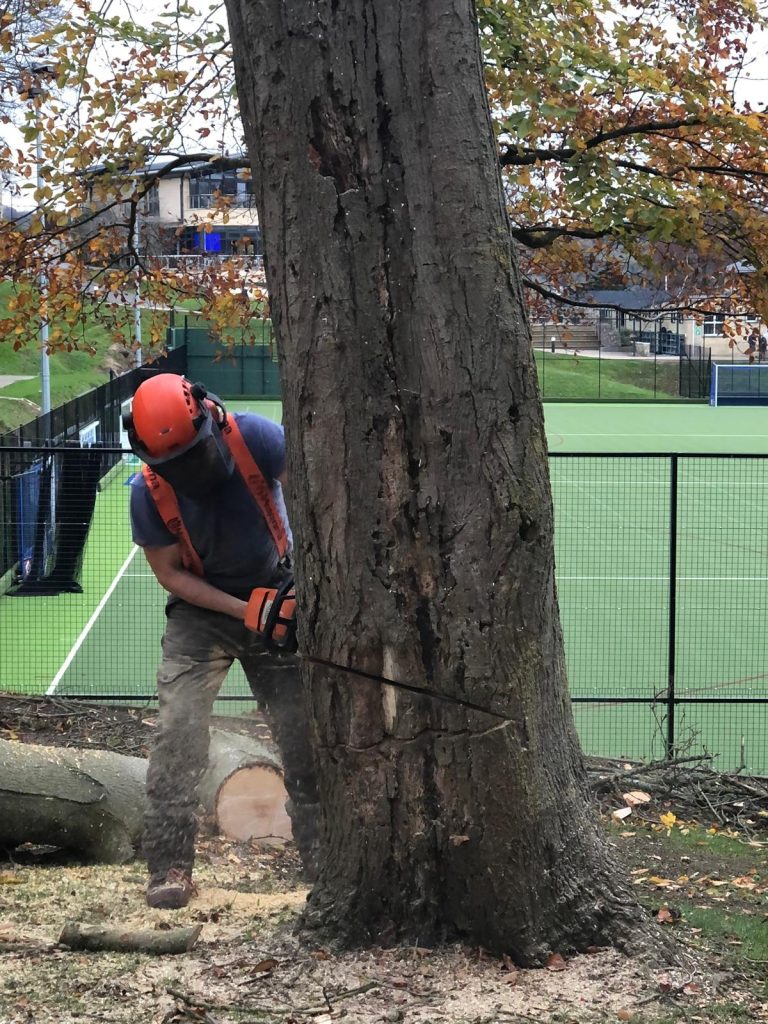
column 264, row 966
column 555, row 963
column 744, row 882
column 667, row 915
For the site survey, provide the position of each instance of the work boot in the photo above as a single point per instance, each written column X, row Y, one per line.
column 170, row 891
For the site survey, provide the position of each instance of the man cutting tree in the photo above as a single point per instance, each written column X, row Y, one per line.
column 208, row 512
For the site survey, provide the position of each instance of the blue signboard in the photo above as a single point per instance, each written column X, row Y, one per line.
column 211, row 241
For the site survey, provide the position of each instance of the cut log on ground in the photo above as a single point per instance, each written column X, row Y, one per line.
column 92, row 802
column 128, row 940
column 89, row 801
column 243, row 788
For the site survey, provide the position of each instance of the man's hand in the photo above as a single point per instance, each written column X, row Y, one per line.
column 258, row 607
column 271, row 611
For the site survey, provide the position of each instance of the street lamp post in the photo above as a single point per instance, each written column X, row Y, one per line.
column 136, row 294
column 33, row 91
column 45, row 368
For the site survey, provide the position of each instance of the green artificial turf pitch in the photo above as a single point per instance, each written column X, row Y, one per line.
column 612, row 543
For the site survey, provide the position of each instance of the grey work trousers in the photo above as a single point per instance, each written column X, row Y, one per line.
column 199, row 647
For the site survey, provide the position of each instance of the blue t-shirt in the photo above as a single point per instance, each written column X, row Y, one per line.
column 227, row 528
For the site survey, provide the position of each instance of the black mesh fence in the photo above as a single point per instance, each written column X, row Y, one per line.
column 81, row 615
column 93, row 417
column 662, row 572
column 662, row 569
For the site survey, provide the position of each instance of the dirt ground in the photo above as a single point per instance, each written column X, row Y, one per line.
column 248, row 966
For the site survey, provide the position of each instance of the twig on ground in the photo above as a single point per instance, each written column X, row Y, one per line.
column 312, row 1010
column 697, row 793
column 26, row 947
column 651, row 766
column 199, row 1007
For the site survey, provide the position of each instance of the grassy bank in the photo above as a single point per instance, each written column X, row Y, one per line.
column 574, row 377
column 84, row 366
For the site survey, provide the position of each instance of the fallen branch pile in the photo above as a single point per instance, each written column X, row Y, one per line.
column 687, row 786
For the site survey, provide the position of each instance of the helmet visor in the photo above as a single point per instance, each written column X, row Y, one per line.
column 199, row 468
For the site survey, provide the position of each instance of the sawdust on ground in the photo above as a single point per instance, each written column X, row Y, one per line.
column 249, row 966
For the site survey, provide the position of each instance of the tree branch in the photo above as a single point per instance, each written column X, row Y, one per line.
column 512, row 157
column 539, row 238
column 646, row 311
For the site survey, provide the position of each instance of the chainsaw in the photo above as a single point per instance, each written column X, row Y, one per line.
column 271, row 612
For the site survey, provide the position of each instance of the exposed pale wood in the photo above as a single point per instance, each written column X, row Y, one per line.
column 251, row 805
column 243, row 788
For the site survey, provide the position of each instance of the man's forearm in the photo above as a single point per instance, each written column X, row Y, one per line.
column 193, row 590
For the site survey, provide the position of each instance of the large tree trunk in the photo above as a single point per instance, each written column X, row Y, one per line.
column 419, row 488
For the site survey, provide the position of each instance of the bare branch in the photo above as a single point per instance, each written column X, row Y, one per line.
column 558, row 297
column 511, row 156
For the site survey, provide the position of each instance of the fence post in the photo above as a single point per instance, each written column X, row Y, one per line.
column 671, row 701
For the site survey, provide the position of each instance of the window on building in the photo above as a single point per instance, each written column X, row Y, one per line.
column 714, row 323
column 152, row 202
column 222, row 242
column 206, row 186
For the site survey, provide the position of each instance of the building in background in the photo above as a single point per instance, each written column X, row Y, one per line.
column 194, row 211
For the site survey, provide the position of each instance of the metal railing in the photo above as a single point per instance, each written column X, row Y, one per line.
column 198, row 261
column 208, row 200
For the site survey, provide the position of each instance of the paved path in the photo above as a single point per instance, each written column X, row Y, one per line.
column 595, row 353
column 7, row 378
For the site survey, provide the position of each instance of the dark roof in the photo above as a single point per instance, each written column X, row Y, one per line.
column 157, row 163
column 14, row 216
column 628, row 298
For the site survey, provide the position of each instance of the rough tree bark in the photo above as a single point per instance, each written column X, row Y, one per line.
column 419, row 489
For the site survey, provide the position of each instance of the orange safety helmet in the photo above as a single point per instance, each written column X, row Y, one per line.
column 165, row 416
column 173, row 426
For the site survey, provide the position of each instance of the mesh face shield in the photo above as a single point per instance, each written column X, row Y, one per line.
column 198, row 469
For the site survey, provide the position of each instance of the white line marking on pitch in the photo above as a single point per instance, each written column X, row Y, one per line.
column 90, row 623
column 683, row 579
column 609, row 433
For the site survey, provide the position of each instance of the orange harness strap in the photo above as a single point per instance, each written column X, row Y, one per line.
column 257, row 485
column 168, row 505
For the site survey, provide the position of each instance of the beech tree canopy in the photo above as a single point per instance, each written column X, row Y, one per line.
column 629, row 153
